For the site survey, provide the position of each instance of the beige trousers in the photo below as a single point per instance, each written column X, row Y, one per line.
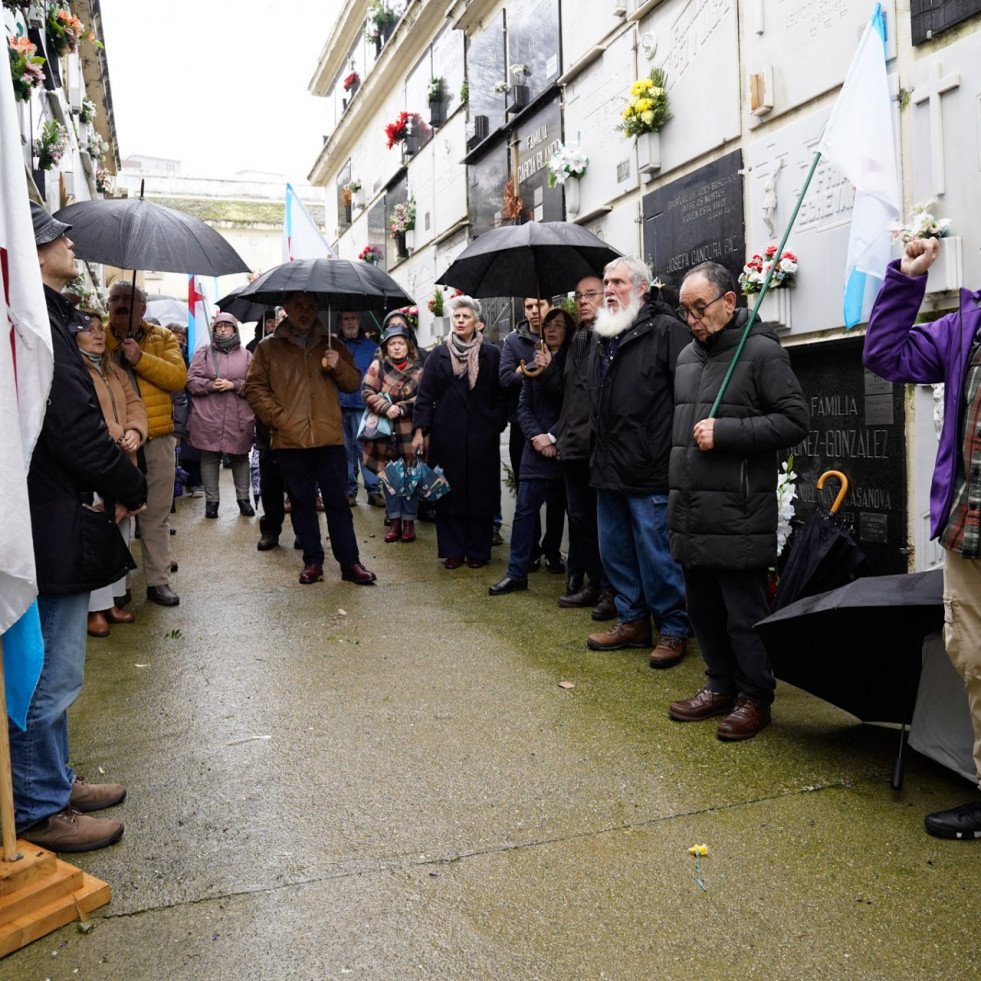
column 155, row 520
column 962, row 632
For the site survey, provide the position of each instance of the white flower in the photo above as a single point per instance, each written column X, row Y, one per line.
column 786, row 492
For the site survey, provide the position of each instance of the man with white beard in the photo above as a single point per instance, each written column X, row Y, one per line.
column 631, row 407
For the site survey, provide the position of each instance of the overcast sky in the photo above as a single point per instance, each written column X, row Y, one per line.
column 220, row 86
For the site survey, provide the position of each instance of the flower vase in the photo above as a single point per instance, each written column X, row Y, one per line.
column 777, row 307
column 439, row 326
column 348, row 214
column 358, row 199
column 947, row 272
column 517, row 98
column 648, row 153
column 436, row 114
column 571, row 195
column 410, row 145
column 410, row 239
column 400, row 247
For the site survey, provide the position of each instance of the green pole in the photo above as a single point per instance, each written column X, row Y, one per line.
column 764, row 288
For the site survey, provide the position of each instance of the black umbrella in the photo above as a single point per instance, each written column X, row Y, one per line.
column 343, row 283
column 242, row 308
column 534, row 259
column 823, row 555
column 133, row 233
column 859, row 646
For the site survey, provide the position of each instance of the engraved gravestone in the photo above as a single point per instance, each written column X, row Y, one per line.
column 696, row 218
column 929, row 17
column 533, row 44
column 858, row 427
column 538, row 138
column 485, row 70
column 486, row 178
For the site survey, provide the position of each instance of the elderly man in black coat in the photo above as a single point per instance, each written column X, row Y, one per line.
column 722, row 510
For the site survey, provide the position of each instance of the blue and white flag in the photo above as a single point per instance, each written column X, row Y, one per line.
column 859, row 141
column 302, row 238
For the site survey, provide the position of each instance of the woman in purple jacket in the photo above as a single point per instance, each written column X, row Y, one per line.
column 221, row 419
column 946, row 350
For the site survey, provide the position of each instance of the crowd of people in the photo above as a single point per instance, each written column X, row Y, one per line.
column 616, row 420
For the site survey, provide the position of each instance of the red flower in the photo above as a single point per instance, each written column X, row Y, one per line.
column 350, row 81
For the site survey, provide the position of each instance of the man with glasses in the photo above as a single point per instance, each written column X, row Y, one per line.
column 587, row 584
column 722, row 510
column 631, row 381
column 151, row 357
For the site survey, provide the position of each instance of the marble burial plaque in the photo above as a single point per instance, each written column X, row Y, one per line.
column 538, row 138
column 486, row 178
column 696, row 218
column 378, row 230
column 448, row 65
column 929, row 17
column 858, row 427
column 533, row 42
column 485, row 69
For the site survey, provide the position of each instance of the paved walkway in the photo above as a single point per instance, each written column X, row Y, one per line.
column 388, row 783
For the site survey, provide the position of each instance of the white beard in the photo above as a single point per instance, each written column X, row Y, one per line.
column 610, row 323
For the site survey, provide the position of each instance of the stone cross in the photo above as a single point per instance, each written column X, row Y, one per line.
column 934, row 89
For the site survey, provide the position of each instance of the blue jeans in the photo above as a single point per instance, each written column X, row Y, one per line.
column 351, row 419
column 39, row 755
column 399, row 506
column 633, row 541
column 532, row 494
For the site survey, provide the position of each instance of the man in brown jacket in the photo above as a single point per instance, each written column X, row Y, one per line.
column 294, row 385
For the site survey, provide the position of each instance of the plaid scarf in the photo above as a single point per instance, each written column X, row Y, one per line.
column 464, row 356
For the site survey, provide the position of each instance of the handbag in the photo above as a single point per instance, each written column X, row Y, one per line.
column 104, row 557
column 374, row 426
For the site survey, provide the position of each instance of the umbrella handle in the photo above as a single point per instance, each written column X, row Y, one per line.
column 528, row 372
column 840, row 499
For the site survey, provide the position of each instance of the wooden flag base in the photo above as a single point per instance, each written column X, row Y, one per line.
column 40, row 893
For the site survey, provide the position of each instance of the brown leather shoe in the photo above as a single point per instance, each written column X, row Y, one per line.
column 744, row 721
column 453, row 562
column 606, row 608
column 71, row 831
column 267, row 542
column 633, row 633
column 587, row 595
column 98, row 625
column 408, row 531
column 95, row 796
column 669, row 651
column 394, row 532
column 116, row 615
column 311, row 573
column 358, row 574
column 702, row 705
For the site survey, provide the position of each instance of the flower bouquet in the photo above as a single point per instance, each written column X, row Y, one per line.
column 25, row 67
column 371, row 254
column 399, row 131
column 755, row 271
column 403, row 217
column 65, row 30
column 566, row 162
column 88, row 112
column 50, row 146
column 435, row 90
column 411, row 315
column 647, row 108
column 348, row 191
column 352, row 82
column 97, row 147
column 786, row 492
column 103, row 182
column 922, row 224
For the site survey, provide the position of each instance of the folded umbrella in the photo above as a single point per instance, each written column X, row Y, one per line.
column 432, row 484
column 393, row 476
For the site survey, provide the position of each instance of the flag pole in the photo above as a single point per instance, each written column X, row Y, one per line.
column 8, row 830
column 764, row 287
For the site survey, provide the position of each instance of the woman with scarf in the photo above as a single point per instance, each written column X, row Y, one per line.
column 221, row 419
column 389, row 389
column 460, row 412
column 125, row 416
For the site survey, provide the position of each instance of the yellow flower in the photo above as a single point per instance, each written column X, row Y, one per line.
column 648, row 118
column 639, row 87
column 698, row 850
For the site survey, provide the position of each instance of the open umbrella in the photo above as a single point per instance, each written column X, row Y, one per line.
column 823, row 555
column 166, row 309
column 351, row 285
column 133, row 233
column 242, row 308
column 859, row 646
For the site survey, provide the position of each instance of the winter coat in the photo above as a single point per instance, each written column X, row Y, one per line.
column 632, row 407
column 722, row 508
column 538, row 412
column 292, row 393
column 222, row 422
column 464, row 429
column 520, row 345
column 121, row 407
column 900, row 351
column 382, row 377
column 574, row 431
column 159, row 373
column 364, row 352
column 74, row 456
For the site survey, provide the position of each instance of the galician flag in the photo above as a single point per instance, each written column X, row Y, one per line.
column 198, row 321
column 26, row 368
column 302, row 238
column 859, row 141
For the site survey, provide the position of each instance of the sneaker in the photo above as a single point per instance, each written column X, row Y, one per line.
column 72, row 831
column 95, row 796
column 669, row 651
column 633, row 633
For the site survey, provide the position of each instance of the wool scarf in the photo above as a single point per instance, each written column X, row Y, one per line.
column 464, row 356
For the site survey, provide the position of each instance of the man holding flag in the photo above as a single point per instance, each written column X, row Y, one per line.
column 77, row 473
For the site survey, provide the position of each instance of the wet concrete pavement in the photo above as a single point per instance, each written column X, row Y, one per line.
column 389, row 783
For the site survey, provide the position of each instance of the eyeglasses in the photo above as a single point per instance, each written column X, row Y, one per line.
column 698, row 311
column 588, row 295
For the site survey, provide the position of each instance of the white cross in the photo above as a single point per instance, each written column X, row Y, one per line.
column 935, row 88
